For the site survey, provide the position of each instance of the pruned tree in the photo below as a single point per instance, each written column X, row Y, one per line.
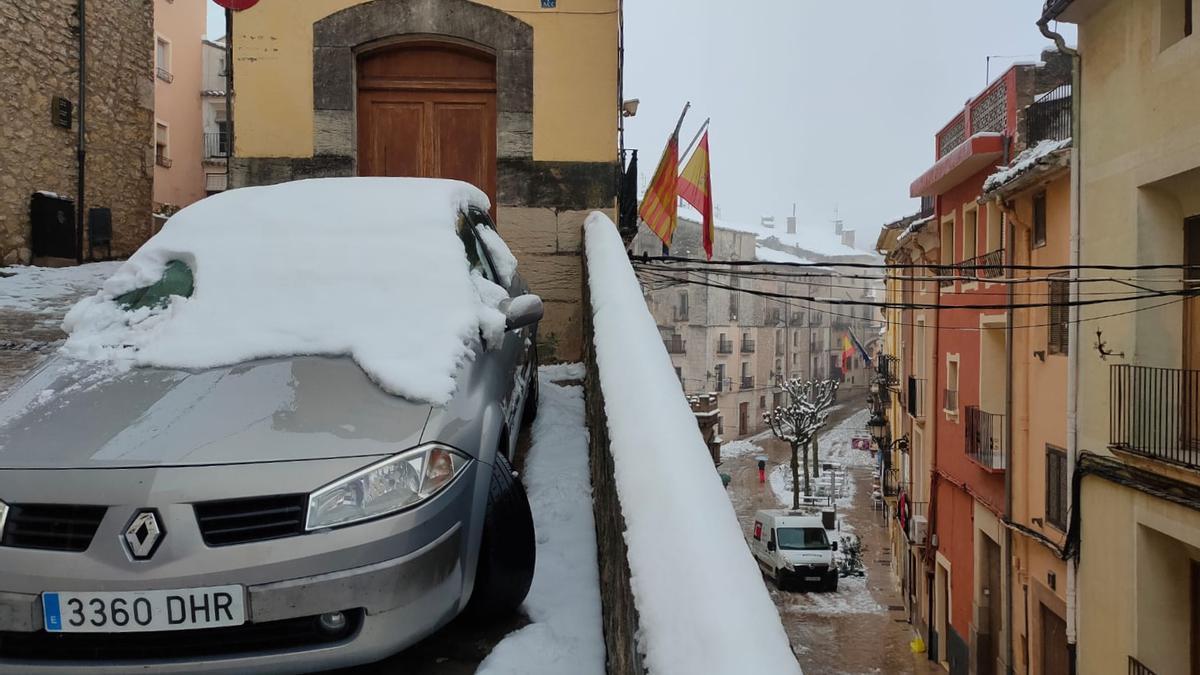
column 798, row 422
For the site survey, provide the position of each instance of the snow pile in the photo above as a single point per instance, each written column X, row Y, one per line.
column 738, row 448
column 566, row 635
column 1024, row 162
column 368, row 267
column 699, row 593
column 502, row 256
column 771, row 255
column 852, row 597
column 47, row 289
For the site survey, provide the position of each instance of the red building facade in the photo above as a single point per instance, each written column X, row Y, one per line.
column 968, row 558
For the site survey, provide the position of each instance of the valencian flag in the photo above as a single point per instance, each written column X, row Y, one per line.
column 695, row 188
column 658, row 206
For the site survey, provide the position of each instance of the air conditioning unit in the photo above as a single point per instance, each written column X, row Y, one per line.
column 918, row 529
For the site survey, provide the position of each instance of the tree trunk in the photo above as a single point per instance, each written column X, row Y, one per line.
column 795, row 476
column 807, row 483
column 816, row 459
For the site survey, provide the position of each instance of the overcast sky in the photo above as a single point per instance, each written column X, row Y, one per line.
column 822, row 104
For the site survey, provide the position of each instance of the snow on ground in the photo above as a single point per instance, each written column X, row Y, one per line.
column 566, row 635
column 744, row 446
column 368, row 267
column 835, row 443
column 852, row 597
column 49, row 289
column 1023, row 162
column 564, row 372
column 690, row 568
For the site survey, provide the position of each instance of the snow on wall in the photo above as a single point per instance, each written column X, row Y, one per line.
column 702, row 603
column 1024, row 162
column 366, row 267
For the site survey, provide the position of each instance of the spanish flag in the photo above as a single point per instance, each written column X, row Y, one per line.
column 847, row 352
column 695, row 188
column 658, row 208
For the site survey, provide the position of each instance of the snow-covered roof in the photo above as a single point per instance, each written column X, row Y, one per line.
column 914, row 227
column 771, row 255
column 367, row 267
column 1024, row 162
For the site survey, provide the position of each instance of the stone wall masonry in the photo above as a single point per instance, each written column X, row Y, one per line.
column 39, row 61
column 619, row 614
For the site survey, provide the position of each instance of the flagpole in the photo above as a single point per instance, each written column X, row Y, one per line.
column 694, row 139
column 679, row 124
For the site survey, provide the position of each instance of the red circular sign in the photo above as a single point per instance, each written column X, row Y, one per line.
column 236, row 5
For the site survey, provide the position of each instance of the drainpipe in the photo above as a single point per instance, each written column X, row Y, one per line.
column 1073, row 319
column 228, row 97
column 81, row 144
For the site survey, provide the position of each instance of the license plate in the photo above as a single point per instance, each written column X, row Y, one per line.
column 812, row 578
column 137, row 611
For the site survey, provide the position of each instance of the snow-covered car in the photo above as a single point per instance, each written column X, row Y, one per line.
column 794, row 549
column 277, row 440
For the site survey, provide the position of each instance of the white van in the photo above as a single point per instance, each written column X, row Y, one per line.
column 792, row 547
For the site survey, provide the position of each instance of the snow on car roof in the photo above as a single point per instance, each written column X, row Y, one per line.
column 367, row 267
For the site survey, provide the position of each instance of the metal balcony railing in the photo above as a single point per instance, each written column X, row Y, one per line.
column 985, row 439
column 724, row 384
column 915, row 397
column 747, row 383
column 888, row 367
column 748, row 346
column 724, row 346
column 987, row 266
column 1049, row 117
column 945, row 271
column 774, row 316
column 1138, row 668
column 1155, row 412
column 891, row 483
column 675, row 344
column 162, row 160
column 216, row 144
column 950, row 400
column 164, row 74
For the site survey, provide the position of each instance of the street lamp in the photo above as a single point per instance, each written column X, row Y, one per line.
column 877, row 427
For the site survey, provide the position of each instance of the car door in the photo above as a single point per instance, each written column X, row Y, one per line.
column 512, row 355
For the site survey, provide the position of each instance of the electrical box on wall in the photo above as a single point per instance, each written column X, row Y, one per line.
column 61, row 110
column 549, row 4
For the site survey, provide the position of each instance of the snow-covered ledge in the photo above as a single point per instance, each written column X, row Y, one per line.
column 699, row 604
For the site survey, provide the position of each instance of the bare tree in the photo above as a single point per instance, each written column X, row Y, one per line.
column 797, row 423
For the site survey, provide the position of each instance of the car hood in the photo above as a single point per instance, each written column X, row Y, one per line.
column 70, row 414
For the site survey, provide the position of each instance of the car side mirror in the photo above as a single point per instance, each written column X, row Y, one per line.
column 523, row 310
column 833, row 546
column 770, row 546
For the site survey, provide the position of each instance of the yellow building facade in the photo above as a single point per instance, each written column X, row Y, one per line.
column 521, row 100
column 1138, row 468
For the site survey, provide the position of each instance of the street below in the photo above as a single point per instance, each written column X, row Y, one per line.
column 860, row 628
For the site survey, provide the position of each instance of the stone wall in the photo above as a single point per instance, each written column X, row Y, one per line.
column 40, row 61
column 618, row 612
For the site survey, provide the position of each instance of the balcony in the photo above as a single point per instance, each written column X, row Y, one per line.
column 797, row 319
column 748, row 346
column 164, row 74
column 1155, row 412
column 916, row 397
column 888, row 367
column 945, row 272
column 216, row 144
column 675, row 344
column 987, row 266
column 985, row 439
column 1049, row 117
column 1138, row 668
column 681, row 313
column 724, row 346
column 724, row 384
column 950, row 400
column 747, row 383
column 162, row 160
column 774, row 316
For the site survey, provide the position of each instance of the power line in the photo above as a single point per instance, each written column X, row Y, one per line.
column 960, row 266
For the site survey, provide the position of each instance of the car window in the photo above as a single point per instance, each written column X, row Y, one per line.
column 477, row 254
column 176, row 280
column 801, row 538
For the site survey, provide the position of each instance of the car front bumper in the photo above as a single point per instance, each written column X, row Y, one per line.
column 400, row 578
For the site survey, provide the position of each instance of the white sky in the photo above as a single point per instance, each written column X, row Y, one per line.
column 822, row 104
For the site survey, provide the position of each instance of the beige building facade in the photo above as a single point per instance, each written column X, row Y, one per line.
column 179, row 27
column 40, row 108
column 1137, row 521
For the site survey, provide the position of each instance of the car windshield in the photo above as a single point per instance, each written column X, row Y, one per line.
column 176, row 280
column 801, row 538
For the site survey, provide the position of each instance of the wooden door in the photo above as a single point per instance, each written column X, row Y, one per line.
column 743, row 419
column 1054, row 643
column 428, row 109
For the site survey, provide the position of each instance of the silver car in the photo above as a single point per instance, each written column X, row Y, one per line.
column 231, row 519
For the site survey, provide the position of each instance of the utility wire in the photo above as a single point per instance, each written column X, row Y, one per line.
column 962, row 266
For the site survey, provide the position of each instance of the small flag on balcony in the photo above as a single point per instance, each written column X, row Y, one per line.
column 658, row 208
column 695, row 188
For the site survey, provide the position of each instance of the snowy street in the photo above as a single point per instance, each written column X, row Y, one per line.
column 860, row 628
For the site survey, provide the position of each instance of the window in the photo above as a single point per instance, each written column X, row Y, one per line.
column 950, row 399
column 995, row 232
column 162, row 59
column 970, row 228
column 745, row 369
column 679, row 374
column 1039, row 219
column 477, row 255
column 795, row 338
column 762, row 401
column 162, row 155
column 720, row 374
column 733, row 300
column 683, row 305
column 802, row 538
column 1057, row 338
column 947, row 250
column 1056, row 487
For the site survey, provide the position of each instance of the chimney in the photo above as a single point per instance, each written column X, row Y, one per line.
column 837, row 226
column 768, row 222
column 847, row 237
column 791, row 224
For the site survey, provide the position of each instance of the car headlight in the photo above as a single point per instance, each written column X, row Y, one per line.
column 396, row 483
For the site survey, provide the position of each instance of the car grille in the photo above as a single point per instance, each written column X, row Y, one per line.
column 211, row 642
column 52, row 527
column 239, row 521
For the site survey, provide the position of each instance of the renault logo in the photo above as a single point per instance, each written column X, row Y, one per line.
column 143, row 534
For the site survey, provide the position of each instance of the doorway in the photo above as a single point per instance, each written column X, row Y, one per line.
column 1054, row 643
column 743, row 419
column 428, row 109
